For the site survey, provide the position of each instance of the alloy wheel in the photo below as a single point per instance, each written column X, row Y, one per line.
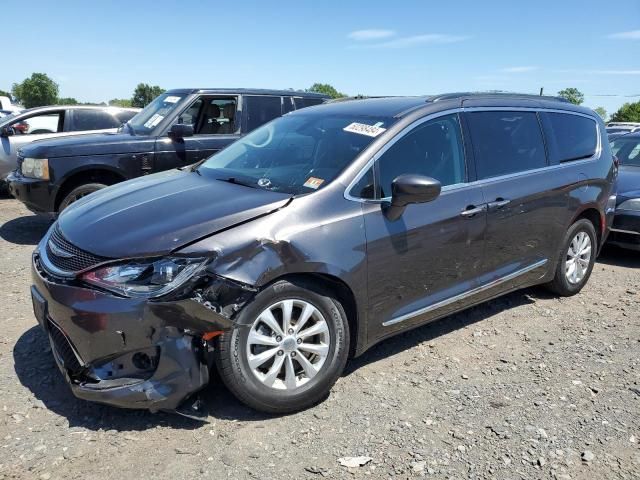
column 288, row 344
column 578, row 258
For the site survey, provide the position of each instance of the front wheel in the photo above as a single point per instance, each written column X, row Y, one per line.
column 577, row 258
column 289, row 348
column 79, row 192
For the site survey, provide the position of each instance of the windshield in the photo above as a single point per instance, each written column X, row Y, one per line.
column 296, row 154
column 627, row 150
column 145, row 121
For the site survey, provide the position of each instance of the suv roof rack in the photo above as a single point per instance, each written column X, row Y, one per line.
column 452, row 96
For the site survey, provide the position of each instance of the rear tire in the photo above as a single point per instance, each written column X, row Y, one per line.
column 576, row 261
column 79, row 192
column 280, row 366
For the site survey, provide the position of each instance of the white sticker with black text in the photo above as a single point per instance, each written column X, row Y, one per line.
column 364, row 129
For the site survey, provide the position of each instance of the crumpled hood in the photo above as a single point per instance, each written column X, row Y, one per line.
column 629, row 182
column 88, row 144
column 157, row 214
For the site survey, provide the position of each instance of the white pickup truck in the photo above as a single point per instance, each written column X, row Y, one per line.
column 5, row 104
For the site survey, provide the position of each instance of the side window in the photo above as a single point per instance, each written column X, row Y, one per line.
column 364, row 188
column 506, row 142
column 572, row 137
column 434, row 149
column 40, row 124
column 287, row 105
column 627, row 150
column 211, row 115
column 93, row 120
column 261, row 109
column 302, row 102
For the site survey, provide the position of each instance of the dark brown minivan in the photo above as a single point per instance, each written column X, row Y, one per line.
column 314, row 237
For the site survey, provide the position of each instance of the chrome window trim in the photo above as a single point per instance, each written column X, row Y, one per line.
column 463, row 295
column 475, row 183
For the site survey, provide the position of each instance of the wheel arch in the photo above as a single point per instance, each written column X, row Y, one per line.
column 103, row 174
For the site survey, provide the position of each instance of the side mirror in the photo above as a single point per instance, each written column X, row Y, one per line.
column 180, row 130
column 407, row 189
column 7, row 132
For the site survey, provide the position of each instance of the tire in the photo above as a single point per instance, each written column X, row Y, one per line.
column 256, row 384
column 79, row 192
column 566, row 281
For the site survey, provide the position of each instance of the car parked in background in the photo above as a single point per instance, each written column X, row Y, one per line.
column 179, row 128
column 622, row 127
column 626, row 224
column 313, row 238
column 7, row 106
column 40, row 123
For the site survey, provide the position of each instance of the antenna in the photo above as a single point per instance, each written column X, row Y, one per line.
column 541, row 91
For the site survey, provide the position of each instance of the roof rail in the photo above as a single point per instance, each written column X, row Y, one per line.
column 452, row 96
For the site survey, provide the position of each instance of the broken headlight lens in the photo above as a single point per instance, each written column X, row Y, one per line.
column 152, row 278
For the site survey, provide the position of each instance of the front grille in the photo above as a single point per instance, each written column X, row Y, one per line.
column 69, row 257
column 63, row 348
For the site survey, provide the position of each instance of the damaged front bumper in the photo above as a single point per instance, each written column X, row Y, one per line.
column 132, row 352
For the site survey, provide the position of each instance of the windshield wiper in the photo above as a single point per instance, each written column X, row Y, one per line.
column 239, row 181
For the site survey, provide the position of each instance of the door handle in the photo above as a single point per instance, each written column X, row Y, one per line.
column 499, row 203
column 472, row 210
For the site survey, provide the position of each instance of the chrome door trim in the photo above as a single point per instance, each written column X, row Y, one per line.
column 629, row 232
column 462, row 296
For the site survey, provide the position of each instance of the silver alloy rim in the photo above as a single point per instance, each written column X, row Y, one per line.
column 578, row 258
column 288, row 344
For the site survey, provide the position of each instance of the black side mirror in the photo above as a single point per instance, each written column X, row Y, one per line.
column 7, row 132
column 180, row 130
column 407, row 189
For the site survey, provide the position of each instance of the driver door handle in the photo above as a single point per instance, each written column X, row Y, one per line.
column 472, row 210
column 498, row 203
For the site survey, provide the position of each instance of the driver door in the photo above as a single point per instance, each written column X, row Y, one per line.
column 214, row 124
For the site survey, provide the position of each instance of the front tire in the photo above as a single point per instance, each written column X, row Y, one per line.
column 79, row 192
column 289, row 348
column 576, row 261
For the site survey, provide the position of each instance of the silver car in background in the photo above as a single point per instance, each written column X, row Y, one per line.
column 39, row 123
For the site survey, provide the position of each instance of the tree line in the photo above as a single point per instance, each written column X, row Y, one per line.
column 39, row 90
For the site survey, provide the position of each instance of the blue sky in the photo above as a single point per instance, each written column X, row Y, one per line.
column 101, row 50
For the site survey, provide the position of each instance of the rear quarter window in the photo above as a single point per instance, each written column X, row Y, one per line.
column 302, row 102
column 570, row 137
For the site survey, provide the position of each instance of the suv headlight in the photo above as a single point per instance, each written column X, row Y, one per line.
column 36, row 168
column 145, row 278
column 632, row 205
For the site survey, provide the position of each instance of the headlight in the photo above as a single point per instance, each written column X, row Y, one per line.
column 36, row 168
column 152, row 278
column 632, row 205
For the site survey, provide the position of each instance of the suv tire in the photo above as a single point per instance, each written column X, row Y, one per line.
column 79, row 192
column 280, row 383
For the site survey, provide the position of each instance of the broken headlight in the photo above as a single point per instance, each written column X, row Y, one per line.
column 142, row 278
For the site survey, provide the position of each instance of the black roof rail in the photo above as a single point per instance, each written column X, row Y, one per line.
column 453, row 96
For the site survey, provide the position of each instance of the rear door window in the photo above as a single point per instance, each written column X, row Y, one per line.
column 506, row 142
column 258, row 110
column 93, row 120
column 570, row 137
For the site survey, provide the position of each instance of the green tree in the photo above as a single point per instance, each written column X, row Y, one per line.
column 629, row 112
column 120, row 102
column 572, row 94
column 4, row 94
column 144, row 94
column 36, row 91
column 67, row 101
column 326, row 89
column 601, row 111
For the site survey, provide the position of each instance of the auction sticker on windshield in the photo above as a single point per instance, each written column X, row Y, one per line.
column 313, row 182
column 364, row 129
column 155, row 119
column 171, row 99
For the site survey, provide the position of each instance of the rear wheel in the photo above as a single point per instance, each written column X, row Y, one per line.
column 577, row 259
column 289, row 349
column 79, row 192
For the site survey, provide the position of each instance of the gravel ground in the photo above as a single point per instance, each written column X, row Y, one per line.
column 526, row 386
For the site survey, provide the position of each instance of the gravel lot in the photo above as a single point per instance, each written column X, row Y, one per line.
column 527, row 386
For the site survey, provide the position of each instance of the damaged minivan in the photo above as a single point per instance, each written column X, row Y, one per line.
column 314, row 237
